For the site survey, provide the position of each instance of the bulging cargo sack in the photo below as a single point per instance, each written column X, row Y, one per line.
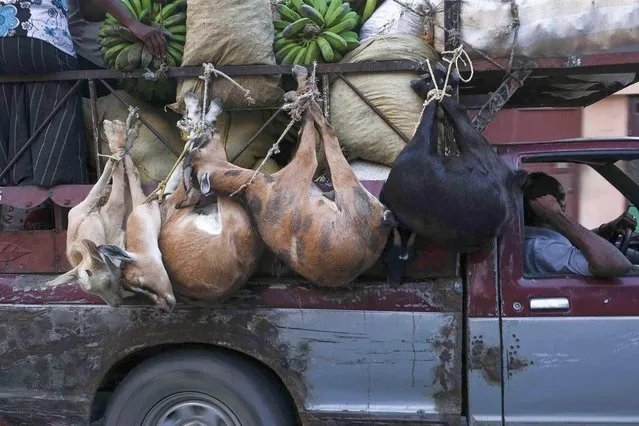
column 366, row 170
column 154, row 160
column 230, row 32
column 362, row 133
column 547, row 27
column 237, row 128
column 393, row 18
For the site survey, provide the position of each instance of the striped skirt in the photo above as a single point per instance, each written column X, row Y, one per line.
column 57, row 155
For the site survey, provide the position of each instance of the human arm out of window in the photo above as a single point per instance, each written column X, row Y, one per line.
column 604, row 259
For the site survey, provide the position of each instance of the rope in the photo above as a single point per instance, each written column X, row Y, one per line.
column 430, row 17
column 118, row 155
column 190, row 130
column 437, row 94
column 296, row 108
column 210, row 69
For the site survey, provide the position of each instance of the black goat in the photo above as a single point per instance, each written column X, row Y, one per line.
column 459, row 201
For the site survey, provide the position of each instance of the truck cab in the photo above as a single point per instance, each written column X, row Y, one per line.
column 466, row 339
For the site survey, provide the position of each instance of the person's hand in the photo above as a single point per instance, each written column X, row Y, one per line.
column 618, row 226
column 546, row 207
column 151, row 36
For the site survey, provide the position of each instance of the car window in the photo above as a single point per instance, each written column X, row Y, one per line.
column 590, row 199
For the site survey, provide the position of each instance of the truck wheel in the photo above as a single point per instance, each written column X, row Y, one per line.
column 199, row 388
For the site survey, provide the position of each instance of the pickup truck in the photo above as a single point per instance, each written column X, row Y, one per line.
column 466, row 339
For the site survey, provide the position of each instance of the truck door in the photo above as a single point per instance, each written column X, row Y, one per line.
column 570, row 344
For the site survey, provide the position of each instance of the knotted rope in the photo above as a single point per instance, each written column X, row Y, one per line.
column 210, row 69
column 191, row 129
column 296, row 103
column 118, row 155
column 437, row 94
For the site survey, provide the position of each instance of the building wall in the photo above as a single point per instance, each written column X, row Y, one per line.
column 599, row 201
column 591, row 199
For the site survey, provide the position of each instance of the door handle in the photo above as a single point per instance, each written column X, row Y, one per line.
column 549, row 304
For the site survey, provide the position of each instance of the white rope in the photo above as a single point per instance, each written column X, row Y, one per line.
column 437, row 94
column 210, row 69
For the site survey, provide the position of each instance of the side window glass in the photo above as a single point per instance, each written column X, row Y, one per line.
column 589, row 199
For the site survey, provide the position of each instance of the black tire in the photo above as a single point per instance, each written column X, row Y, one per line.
column 206, row 377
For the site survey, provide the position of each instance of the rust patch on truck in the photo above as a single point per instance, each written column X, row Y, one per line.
column 515, row 362
column 448, row 372
column 485, row 359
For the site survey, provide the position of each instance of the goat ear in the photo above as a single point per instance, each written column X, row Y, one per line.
column 215, row 109
column 92, row 249
column 186, row 177
column 205, row 182
column 114, row 252
column 115, row 271
column 66, row 278
column 192, row 105
column 520, row 179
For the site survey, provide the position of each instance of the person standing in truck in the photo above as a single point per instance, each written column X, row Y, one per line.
column 555, row 243
column 86, row 18
column 34, row 39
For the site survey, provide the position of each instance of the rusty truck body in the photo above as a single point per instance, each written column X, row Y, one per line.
column 466, row 339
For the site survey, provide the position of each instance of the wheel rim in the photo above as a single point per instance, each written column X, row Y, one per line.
column 190, row 409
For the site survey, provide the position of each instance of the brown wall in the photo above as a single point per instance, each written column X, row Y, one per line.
column 533, row 125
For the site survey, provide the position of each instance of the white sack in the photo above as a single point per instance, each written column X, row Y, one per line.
column 547, row 27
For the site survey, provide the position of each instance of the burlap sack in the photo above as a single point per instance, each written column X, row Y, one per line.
column 230, row 32
column 547, row 27
column 361, row 132
column 154, row 159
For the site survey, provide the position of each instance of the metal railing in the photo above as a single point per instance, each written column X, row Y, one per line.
column 94, row 76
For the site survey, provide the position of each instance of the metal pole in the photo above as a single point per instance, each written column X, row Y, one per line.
column 259, row 131
column 373, row 107
column 96, row 129
column 35, row 134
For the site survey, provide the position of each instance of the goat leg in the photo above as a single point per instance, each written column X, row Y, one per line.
column 301, row 168
column 466, row 134
column 133, row 178
column 426, row 136
column 96, row 191
column 114, row 206
column 342, row 175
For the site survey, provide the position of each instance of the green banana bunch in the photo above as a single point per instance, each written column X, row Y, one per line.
column 315, row 30
column 122, row 51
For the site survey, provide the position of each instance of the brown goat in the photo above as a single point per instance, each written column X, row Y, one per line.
column 329, row 241
column 100, row 219
column 208, row 250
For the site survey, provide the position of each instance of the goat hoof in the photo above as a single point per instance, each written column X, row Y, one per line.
column 388, row 219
